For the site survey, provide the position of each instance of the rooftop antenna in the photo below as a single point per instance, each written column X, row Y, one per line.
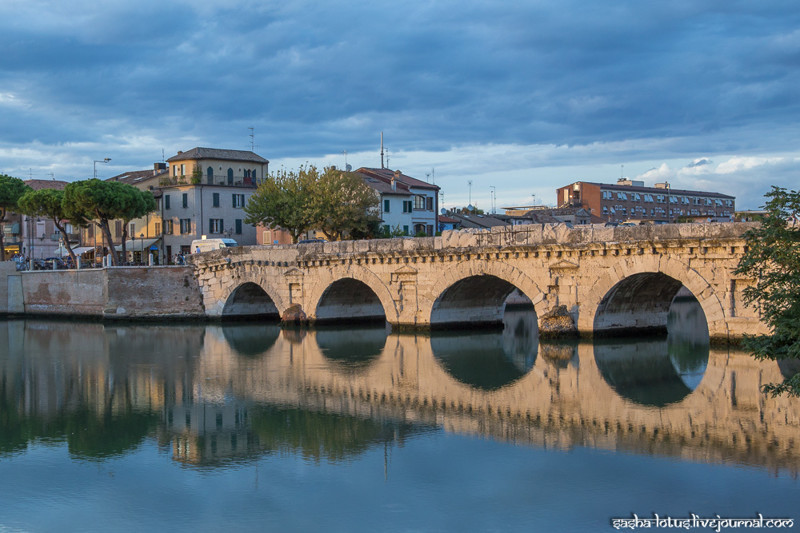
column 469, row 183
column 162, row 155
column 387, row 158
column 382, row 151
column 433, row 175
column 252, row 138
column 493, row 189
column 621, row 172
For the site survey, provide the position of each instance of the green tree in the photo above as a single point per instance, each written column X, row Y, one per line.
column 282, row 201
column 134, row 204
column 100, row 202
column 342, row 205
column 773, row 260
column 11, row 190
column 48, row 203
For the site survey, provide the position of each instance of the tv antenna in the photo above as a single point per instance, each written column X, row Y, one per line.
column 469, row 183
column 493, row 190
column 252, row 138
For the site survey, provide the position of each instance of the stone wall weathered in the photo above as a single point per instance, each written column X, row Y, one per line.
column 119, row 292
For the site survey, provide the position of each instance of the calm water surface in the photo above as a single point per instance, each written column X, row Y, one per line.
column 248, row 427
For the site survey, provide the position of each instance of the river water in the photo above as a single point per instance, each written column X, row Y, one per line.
column 110, row 427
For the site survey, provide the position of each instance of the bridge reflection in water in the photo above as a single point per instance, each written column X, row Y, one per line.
column 222, row 393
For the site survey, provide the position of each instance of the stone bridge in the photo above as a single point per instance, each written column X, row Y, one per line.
column 609, row 280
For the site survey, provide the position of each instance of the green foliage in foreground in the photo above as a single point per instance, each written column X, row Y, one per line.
column 773, row 260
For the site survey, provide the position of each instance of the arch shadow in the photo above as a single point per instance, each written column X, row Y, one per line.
column 249, row 301
column 348, row 300
column 352, row 349
column 489, row 360
column 250, row 340
column 477, row 301
column 659, row 371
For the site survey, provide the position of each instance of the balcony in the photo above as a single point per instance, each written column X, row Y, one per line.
column 73, row 237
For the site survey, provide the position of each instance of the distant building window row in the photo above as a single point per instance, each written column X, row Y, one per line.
column 662, row 199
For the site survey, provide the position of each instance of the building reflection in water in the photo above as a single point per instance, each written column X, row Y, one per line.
column 222, row 394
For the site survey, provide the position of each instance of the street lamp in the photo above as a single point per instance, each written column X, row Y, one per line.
column 141, row 253
column 104, row 160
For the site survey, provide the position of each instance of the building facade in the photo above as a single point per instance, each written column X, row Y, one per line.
column 201, row 192
column 407, row 205
column 629, row 200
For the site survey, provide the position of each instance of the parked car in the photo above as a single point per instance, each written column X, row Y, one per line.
column 47, row 263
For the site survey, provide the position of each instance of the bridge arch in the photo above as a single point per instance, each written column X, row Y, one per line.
column 453, row 296
column 250, row 295
column 357, row 292
column 636, row 295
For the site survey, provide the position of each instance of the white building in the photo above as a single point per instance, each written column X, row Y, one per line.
column 407, row 204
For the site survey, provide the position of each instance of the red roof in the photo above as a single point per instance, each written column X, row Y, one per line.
column 387, row 175
column 38, row 185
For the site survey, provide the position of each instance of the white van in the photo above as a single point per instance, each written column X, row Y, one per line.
column 207, row 245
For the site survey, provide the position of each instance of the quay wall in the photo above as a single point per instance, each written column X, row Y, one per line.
column 114, row 293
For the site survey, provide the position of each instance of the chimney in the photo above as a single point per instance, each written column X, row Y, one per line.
column 395, row 179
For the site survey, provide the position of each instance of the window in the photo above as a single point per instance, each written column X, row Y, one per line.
column 185, row 200
column 238, row 200
column 157, row 228
column 386, row 206
column 419, row 202
column 405, row 228
column 183, row 169
column 429, row 204
column 166, row 201
column 238, row 226
column 168, row 227
column 117, row 228
column 215, row 199
column 186, row 226
column 407, row 206
column 175, row 171
column 132, row 230
column 215, row 225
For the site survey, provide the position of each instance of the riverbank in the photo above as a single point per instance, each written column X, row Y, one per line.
column 127, row 293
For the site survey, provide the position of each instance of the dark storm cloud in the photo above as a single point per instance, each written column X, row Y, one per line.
column 315, row 78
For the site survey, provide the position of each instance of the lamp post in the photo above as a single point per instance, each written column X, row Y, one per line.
column 141, row 254
column 104, row 160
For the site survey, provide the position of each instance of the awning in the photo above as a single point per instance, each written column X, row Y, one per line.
column 136, row 245
column 82, row 250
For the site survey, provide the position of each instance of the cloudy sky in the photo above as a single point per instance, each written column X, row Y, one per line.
column 522, row 96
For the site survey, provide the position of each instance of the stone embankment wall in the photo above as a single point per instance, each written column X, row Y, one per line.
column 117, row 292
